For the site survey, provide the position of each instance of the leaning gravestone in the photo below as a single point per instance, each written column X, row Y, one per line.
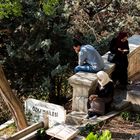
column 36, row 109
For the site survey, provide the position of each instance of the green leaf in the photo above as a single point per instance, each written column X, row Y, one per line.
column 9, row 8
column 50, row 6
column 91, row 136
column 106, row 135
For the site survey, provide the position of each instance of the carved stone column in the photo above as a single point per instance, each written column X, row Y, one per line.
column 83, row 84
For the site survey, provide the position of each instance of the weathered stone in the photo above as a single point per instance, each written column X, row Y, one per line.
column 80, row 103
column 78, row 118
column 75, row 118
column 79, row 138
column 134, row 55
column 122, row 105
column 85, row 83
column 134, row 97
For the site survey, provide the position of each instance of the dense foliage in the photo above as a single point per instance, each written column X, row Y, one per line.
column 35, row 50
column 105, row 135
column 36, row 39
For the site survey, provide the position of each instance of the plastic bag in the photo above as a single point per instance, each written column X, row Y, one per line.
column 111, row 57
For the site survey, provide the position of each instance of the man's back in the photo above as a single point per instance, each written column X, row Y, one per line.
column 88, row 54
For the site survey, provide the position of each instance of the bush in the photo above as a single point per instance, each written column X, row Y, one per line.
column 104, row 135
column 5, row 114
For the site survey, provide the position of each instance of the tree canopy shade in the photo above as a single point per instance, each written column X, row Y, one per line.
column 9, row 8
column 34, row 53
column 37, row 47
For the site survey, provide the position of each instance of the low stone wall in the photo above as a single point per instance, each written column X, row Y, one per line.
column 134, row 55
column 85, row 83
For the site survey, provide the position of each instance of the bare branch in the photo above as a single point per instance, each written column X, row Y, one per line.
column 91, row 29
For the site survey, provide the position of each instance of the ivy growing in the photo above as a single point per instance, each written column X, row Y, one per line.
column 50, row 6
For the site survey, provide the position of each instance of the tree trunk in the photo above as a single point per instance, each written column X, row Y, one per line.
column 12, row 102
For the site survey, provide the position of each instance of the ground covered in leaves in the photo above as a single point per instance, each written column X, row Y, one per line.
column 125, row 126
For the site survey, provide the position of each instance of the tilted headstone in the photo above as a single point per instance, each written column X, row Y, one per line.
column 36, row 109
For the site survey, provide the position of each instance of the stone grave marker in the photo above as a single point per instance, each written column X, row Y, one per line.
column 36, row 109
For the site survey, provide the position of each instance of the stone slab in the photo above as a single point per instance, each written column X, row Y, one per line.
column 105, row 117
column 78, row 137
column 78, row 118
column 135, row 40
column 123, row 104
column 134, row 97
column 83, row 78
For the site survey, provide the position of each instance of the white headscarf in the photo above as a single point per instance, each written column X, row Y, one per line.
column 104, row 78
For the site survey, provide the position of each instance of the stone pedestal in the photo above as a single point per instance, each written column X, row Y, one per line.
column 83, row 84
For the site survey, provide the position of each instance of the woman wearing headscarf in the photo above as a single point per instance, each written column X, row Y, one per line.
column 119, row 47
column 99, row 102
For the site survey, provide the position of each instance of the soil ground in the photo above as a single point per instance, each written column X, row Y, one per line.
column 122, row 129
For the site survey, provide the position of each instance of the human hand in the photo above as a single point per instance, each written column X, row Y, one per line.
column 90, row 109
column 125, row 50
column 119, row 49
column 92, row 97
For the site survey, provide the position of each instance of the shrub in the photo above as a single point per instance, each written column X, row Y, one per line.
column 104, row 135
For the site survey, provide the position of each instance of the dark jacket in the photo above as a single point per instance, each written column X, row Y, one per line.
column 105, row 97
column 121, row 61
column 120, row 58
column 106, row 91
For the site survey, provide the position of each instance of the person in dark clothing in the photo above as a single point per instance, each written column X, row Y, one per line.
column 99, row 102
column 119, row 46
